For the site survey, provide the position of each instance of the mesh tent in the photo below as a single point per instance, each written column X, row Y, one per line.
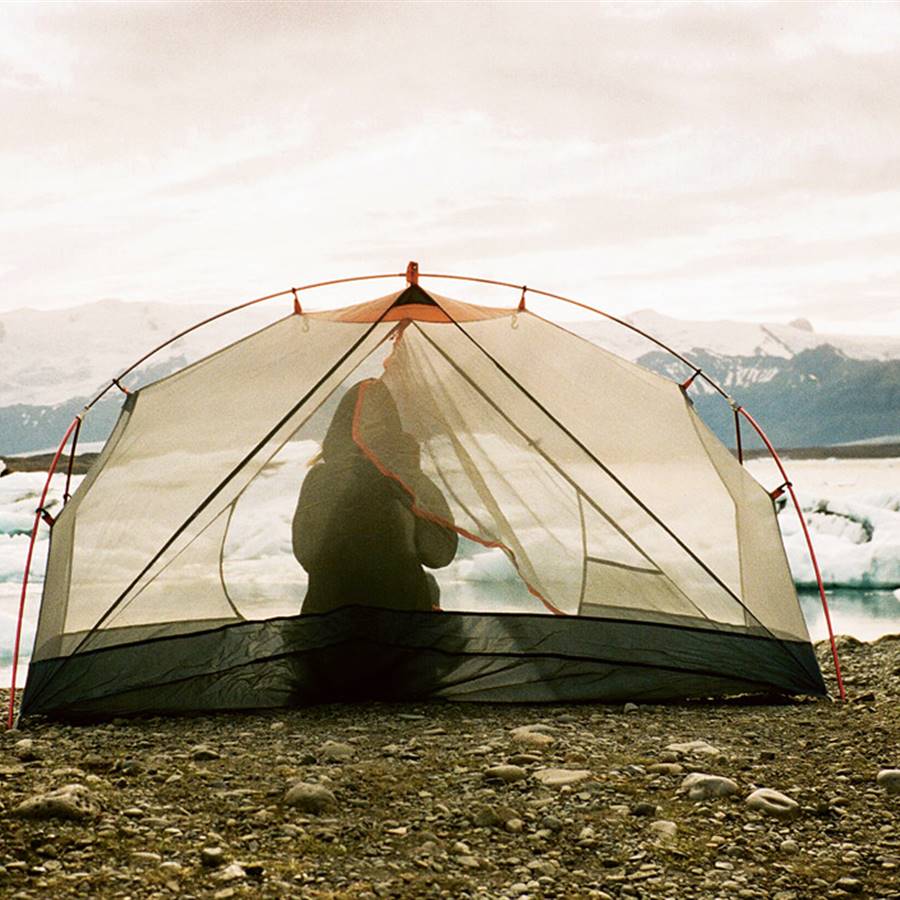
column 413, row 497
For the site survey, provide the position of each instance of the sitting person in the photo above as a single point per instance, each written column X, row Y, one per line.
column 368, row 518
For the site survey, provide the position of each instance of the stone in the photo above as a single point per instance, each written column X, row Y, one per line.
column 232, row 872
column 849, row 885
column 145, row 858
column 700, row 786
column 514, row 826
column 664, row 828
column 889, row 779
column 643, row 809
column 311, row 798
column 700, row 747
column 531, row 736
column 773, row 803
column 505, row 773
column 211, row 857
column 336, row 752
column 26, row 750
column 630, row 708
column 789, row 847
column 202, row 753
column 560, row 777
column 72, row 801
column 666, row 768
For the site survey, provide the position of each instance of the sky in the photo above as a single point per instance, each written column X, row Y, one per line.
column 715, row 160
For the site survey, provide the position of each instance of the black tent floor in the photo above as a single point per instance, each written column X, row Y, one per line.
column 356, row 653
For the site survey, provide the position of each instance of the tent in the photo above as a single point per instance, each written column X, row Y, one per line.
column 413, row 497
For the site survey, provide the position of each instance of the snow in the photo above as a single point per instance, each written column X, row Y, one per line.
column 852, row 509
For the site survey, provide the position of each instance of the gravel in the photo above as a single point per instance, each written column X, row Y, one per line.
column 396, row 800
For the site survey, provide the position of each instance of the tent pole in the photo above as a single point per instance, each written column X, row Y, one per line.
column 737, row 435
column 809, row 545
column 39, row 512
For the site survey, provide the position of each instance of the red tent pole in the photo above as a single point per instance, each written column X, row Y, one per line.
column 38, row 515
column 809, row 545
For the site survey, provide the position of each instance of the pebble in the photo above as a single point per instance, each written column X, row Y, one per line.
column 334, row 752
column 700, row 786
column 849, row 885
column 202, row 753
column 26, row 750
column 666, row 768
column 701, row 747
column 531, row 736
column 790, row 847
column 72, row 801
column 664, row 828
column 211, row 857
column 311, row 798
column 889, row 779
column 560, row 777
column 146, row 858
column 505, row 773
column 773, row 803
column 232, row 872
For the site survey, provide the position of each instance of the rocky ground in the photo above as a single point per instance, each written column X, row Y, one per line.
column 443, row 800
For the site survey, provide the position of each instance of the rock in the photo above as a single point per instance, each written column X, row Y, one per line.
column 700, row 786
column 487, row 817
column 145, row 858
column 211, row 857
column 559, row 777
column 532, row 736
column 514, row 826
column 630, row 708
column 773, row 803
column 73, row 801
column 201, row 753
column 700, row 747
column 643, row 809
column 789, row 847
column 505, row 773
column 26, row 750
column 666, row 768
column 849, row 885
column 231, row 873
column 889, row 779
column 335, row 752
column 311, row 798
column 664, row 828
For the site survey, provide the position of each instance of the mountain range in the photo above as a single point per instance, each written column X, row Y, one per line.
column 807, row 389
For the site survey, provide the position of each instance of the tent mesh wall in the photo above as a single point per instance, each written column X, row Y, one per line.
column 413, row 497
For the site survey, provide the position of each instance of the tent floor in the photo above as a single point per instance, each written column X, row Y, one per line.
column 357, row 652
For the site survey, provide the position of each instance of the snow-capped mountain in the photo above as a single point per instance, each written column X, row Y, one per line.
column 807, row 388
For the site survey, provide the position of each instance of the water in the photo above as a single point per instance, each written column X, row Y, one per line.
column 865, row 615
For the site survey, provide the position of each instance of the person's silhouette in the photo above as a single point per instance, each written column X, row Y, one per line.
column 368, row 518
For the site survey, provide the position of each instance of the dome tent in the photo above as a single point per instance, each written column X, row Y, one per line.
column 605, row 545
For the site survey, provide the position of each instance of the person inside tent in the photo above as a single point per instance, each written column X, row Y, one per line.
column 368, row 519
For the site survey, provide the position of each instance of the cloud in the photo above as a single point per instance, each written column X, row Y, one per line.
column 694, row 157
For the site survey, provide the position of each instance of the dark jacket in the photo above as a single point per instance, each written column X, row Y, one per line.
column 365, row 524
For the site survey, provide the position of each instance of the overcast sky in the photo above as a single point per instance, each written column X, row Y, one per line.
column 705, row 160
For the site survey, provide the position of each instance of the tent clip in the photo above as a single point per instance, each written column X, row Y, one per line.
column 45, row 515
column 780, row 490
column 412, row 273
column 686, row 384
column 121, row 386
column 298, row 310
column 521, row 307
